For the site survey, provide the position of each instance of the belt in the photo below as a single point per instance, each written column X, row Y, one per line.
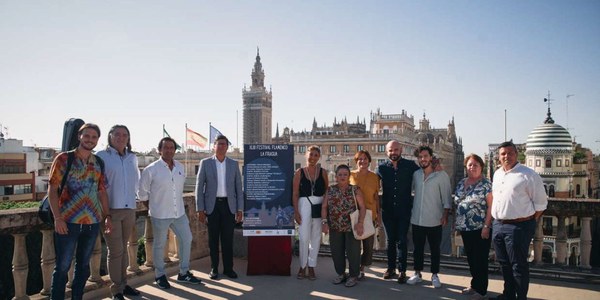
column 221, row 198
column 517, row 220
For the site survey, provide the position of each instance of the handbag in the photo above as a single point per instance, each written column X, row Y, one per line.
column 368, row 227
column 315, row 209
column 45, row 211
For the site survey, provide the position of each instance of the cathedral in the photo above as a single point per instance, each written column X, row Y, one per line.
column 257, row 107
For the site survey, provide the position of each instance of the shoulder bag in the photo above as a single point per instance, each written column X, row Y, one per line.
column 368, row 227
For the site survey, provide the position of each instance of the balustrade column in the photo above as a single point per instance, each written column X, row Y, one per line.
column 132, row 246
column 561, row 241
column 20, row 264
column 96, row 261
column 586, row 242
column 538, row 243
column 149, row 241
column 48, row 260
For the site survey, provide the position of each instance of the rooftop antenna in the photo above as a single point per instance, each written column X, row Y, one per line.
column 567, row 101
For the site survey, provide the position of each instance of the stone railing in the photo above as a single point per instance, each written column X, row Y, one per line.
column 21, row 222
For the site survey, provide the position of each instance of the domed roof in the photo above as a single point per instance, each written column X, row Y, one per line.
column 549, row 136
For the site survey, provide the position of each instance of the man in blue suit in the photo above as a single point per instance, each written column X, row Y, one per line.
column 219, row 200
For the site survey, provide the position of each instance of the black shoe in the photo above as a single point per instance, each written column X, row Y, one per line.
column 129, row 291
column 213, row 274
column 163, row 283
column 231, row 274
column 402, row 278
column 118, row 296
column 389, row 273
column 188, row 277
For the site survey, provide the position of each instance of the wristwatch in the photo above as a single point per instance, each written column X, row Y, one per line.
column 486, row 226
column 324, row 221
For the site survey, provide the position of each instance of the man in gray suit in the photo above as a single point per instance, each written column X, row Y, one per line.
column 219, row 200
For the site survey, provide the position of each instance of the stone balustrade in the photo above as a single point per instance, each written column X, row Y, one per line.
column 21, row 222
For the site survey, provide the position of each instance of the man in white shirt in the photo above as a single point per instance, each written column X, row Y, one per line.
column 122, row 177
column 519, row 201
column 162, row 185
column 430, row 210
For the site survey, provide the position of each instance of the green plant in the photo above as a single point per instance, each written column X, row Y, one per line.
column 141, row 250
column 5, row 205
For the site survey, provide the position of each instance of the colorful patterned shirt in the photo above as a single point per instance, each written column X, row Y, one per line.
column 340, row 204
column 471, row 204
column 78, row 201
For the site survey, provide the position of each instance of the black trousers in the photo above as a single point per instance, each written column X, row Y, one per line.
column 220, row 228
column 433, row 235
column 478, row 251
column 396, row 230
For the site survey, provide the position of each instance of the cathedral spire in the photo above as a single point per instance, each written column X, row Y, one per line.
column 258, row 74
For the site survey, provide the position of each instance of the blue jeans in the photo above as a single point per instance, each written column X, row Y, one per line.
column 511, row 243
column 181, row 228
column 79, row 240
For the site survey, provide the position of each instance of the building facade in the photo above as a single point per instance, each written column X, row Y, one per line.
column 257, row 104
column 340, row 141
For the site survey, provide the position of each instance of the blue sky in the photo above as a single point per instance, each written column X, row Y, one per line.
column 149, row 63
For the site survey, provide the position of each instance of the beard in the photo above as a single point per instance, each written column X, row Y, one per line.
column 394, row 157
column 88, row 146
column 425, row 164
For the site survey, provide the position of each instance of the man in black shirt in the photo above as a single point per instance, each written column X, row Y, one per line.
column 396, row 205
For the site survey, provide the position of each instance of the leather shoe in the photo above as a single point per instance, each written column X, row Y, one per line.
column 213, row 274
column 402, row 278
column 130, row 291
column 118, row 296
column 231, row 274
column 389, row 273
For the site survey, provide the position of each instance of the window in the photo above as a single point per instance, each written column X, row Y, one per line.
column 302, row 149
column 567, row 162
column 538, row 163
column 551, row 191
column 359, row 148
column 548, row 162
column 380, row 148
column 380, row 161
column 530, row 163
column 346, row 148
column 578, row 190
column 332, row 149
column 559, row 163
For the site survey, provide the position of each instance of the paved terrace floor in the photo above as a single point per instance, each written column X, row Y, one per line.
column 373, row 287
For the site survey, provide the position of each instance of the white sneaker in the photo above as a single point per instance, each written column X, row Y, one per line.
column 416, row 278
column 435, row 281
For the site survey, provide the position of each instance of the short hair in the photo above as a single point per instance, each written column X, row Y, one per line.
column 508, row 144
column 315, row 148
column 221, row 137
column 115, row 127
column 340, row 167
column 474, row 156
column 166, row 139
column 423, row 148
column 365, row 152
column 90, row 126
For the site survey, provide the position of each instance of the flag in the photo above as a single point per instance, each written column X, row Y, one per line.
column 195, row 139
column 214, row 133
column 166, row 134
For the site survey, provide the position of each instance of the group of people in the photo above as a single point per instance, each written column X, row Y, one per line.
column 97, row 193
column 420, row 196
column 92, row 194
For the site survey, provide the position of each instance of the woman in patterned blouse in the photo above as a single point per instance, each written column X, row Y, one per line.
column 339, row 203
column 473, row 200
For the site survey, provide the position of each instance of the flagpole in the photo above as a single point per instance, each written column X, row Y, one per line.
column 185, row 149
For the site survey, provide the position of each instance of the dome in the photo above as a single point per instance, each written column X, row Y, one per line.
column 549, row 136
